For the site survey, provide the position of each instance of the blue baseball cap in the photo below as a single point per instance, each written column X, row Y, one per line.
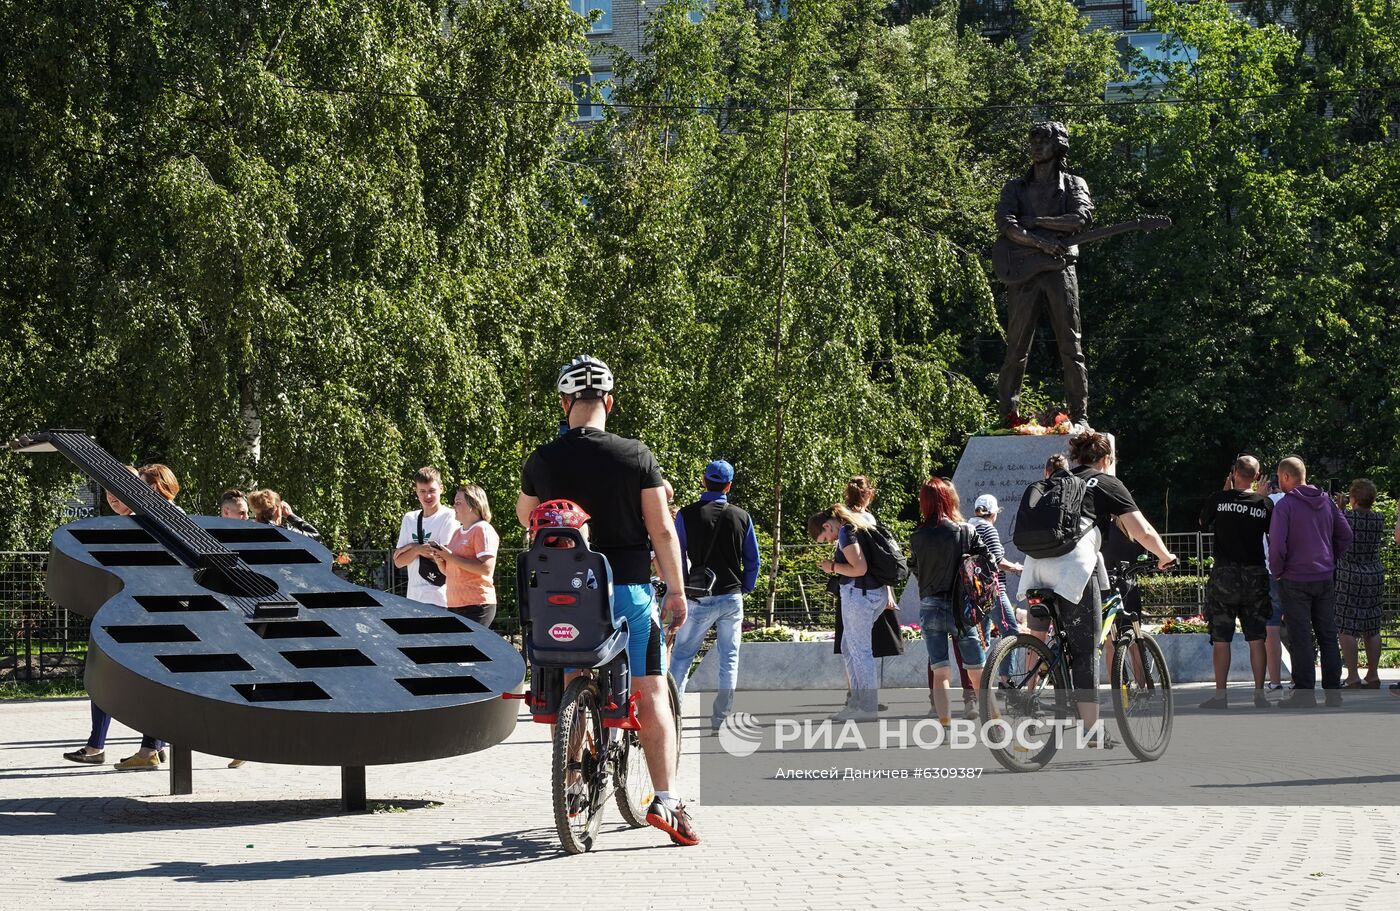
column 719, row 471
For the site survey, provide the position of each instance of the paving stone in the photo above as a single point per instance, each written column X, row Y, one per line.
column 476, row 832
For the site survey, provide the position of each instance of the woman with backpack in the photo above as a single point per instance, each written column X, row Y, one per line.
column 936, row 552
column 862, row 599
column 1074, row 570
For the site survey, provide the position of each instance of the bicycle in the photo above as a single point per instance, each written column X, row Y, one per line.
column 1139, row 677
column 596, row 751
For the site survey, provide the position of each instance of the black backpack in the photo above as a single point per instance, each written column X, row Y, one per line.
column 1050, row 520
column 885, row 562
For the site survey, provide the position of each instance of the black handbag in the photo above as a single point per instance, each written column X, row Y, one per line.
column 427, row 569
column 700, row 581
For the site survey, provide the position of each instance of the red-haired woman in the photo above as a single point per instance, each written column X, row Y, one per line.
column 935, row 556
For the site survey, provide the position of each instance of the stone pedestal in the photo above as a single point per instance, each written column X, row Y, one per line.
column 807, row 666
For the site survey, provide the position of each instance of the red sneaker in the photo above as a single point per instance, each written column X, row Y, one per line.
column 675, row 823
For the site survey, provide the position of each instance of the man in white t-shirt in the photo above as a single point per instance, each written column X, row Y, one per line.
column 413, row 551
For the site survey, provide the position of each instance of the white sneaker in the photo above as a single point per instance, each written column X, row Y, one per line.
column 1273, row 687
column 851, row 713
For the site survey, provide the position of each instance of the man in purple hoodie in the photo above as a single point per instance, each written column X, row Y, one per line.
column 1307, row 536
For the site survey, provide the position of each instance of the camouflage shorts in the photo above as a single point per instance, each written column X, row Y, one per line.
column 1237, row 591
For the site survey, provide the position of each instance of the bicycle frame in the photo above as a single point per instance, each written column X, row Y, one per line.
column 1058, row 643
column 1140, row 686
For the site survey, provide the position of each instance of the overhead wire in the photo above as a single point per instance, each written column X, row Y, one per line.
column 743, row 107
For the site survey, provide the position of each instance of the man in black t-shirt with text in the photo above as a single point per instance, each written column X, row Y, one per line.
column 618, row 482
column 1239, row 581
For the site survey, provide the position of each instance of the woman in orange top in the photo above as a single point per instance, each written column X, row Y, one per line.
column 469, row 558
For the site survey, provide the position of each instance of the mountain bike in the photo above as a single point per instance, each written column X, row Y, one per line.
column 1032, row 694
column 570, row 632
column 592, row 761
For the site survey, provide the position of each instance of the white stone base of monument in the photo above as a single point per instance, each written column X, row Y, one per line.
column 813, row 666
column 807, row 666
column 1190, row 658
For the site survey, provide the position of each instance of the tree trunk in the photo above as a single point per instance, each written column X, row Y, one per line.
column 250, row 453
column 779, row 397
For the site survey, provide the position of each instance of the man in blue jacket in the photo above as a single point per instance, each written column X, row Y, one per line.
column 1307, row 536
column 718, row 537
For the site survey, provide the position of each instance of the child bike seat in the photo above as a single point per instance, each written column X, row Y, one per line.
column 568, row 603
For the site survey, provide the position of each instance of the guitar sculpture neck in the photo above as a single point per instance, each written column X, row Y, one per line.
column 189, row 543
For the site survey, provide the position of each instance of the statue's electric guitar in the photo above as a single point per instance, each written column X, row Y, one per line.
column 1015, row 264
column 237, row 639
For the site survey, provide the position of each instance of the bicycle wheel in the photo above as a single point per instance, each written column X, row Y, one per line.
column 634, row 788
column 1034, row 696
column 579, row 755
column 1142, row 696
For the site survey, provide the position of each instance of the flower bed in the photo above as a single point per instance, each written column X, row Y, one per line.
column 1177, row 626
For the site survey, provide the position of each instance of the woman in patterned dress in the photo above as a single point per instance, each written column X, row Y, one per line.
column 1360, row 583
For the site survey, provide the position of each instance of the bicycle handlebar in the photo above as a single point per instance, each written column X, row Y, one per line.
column 1143, row 564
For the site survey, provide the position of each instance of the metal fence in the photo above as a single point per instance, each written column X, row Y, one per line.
column 37, row 638
column 40, row 640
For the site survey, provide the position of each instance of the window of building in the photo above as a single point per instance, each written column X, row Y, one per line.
column 589, row 109
column 585, row 9
column 767, row 9
column 1156, row 47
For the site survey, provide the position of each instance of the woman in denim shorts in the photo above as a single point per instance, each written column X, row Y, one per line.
column 935, row 557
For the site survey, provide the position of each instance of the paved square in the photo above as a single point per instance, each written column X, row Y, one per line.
column 476, row 832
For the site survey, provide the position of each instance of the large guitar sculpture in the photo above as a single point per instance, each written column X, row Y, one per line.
column 237, row 639
column 1015, row 264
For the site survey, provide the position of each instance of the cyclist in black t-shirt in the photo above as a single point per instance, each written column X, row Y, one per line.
column 1108, row 503
column 617, row 481
column 1239, row 582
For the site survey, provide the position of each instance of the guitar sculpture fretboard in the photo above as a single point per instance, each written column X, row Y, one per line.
column 191, row 544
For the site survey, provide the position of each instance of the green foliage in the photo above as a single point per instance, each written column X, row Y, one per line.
column 1260, row 321
column 283, row 232
column 64, row 687
column 317, row 246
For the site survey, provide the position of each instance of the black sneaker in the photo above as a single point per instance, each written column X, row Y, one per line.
column 86, row 758
column 1299, row 700
column 1214, row 702
column 674, row 822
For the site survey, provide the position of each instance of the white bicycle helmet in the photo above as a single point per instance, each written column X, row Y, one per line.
column 584, row 377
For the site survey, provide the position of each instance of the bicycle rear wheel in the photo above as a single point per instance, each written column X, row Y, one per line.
column 580, row 751
column 1033, row 698
column 1142, row 696
column 634, row 788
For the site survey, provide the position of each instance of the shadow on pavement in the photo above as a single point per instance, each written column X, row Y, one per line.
column 1308, row 782
column 501, row 850
column 104, row 814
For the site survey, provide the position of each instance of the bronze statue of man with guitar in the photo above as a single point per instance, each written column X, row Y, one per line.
column 1042, row 217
